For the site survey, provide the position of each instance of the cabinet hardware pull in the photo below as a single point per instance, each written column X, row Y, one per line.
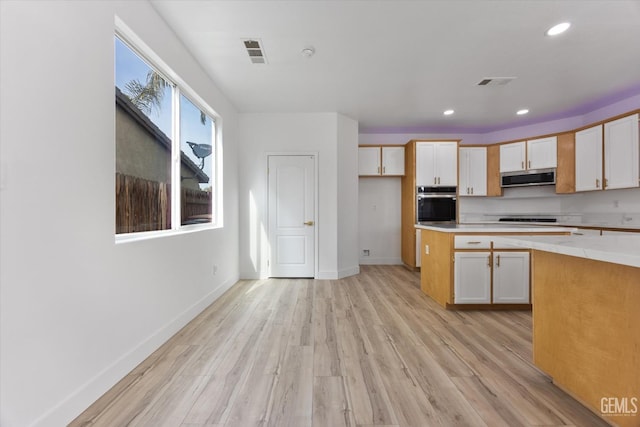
column 489, row 261
column 438, row 180
column 467, row 190
column 529, row 164
column 471, row 190
column 378, row 169
column 522, row 163
column 606, row 183
column 474, row 242
column 498, row 261
column 435, row 180
column 308, row 223
column 384, row 169
column 597, row 183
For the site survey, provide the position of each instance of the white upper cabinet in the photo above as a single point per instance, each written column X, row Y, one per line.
column 621, row 146
column 542, row 153
column 513, row 156
column 533, row 154
column 437, row 163
column 369, row 161
column 393, row 160
column 589, row 159
column 381, row 161
column 473, row 171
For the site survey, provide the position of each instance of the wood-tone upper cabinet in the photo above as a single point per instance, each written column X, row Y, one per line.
column 542, row 153
column 533, row 154
column 621, row 153
column 381, row 161
column 473, row 171
column 437, row 163
column 588, row 159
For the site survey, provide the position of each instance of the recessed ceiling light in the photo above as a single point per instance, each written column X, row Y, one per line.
column 448, row 112
column 558, row 29
column 522, row 112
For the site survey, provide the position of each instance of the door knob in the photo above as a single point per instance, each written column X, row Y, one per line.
column 308, row 223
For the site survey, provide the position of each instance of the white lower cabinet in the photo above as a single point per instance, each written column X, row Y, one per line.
column 473, row 277
column 511, row 277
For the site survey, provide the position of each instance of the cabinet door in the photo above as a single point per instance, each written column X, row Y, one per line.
column 542, row 153
column 368, row 161
column 464, row 178
column 473, row 171
column 621, row 147
column 511, row 278
column 472, row 278
column 425, row 164
column 589, row 159
column 446, row 163
column 512, row 156
column 392, row 160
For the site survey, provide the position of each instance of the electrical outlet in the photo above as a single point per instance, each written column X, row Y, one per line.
column 365, row 252
column 426, row 249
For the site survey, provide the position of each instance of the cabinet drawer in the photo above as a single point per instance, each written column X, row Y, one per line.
column 502, row 244
column 472, row 242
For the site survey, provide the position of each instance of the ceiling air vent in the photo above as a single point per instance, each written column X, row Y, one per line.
column 255, row 51
column 495, row 81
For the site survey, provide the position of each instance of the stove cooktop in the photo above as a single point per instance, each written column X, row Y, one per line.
column 520, row 219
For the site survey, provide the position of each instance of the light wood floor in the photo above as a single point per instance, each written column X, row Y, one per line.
column 368, row 350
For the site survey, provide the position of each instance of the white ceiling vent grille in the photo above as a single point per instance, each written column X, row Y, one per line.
column 255, row 51
column 495, row 81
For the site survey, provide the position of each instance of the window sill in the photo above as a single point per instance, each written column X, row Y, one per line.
column 148, row 235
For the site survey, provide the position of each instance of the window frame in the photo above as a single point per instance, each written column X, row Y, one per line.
column 178, row 88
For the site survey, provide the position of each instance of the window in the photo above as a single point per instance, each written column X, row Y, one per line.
column 165, row 150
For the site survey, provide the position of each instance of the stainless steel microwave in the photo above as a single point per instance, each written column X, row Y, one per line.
column 527, row 178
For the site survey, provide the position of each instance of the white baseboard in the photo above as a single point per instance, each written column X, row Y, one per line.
column 380, row 261
column 74, row 404
column 351, row 271
column 254, row 275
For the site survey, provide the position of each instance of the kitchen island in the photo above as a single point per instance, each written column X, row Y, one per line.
column 586, row 319
column 463, row 268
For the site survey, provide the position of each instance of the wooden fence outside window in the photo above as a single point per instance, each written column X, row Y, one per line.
column 144, row 205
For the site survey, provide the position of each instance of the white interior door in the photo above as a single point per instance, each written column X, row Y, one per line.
column 292, row 215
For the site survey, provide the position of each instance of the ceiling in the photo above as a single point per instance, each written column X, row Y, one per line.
column 397, row 65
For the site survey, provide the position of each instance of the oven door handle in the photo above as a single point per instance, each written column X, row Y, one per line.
column 437, row 196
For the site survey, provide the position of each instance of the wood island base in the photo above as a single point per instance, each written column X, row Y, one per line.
column 586, row 332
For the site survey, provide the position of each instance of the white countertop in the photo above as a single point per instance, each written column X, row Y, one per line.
column 623, row 250
column 631, row 227
column 494, row 228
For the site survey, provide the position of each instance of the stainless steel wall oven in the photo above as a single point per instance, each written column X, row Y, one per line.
column 436, row 204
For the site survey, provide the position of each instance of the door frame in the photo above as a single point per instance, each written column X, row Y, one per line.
column 315, row 202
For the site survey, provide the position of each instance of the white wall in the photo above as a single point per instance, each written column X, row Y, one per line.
column 347, row 188
column 261, row 134
column 78, row 312
column 379, row 220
